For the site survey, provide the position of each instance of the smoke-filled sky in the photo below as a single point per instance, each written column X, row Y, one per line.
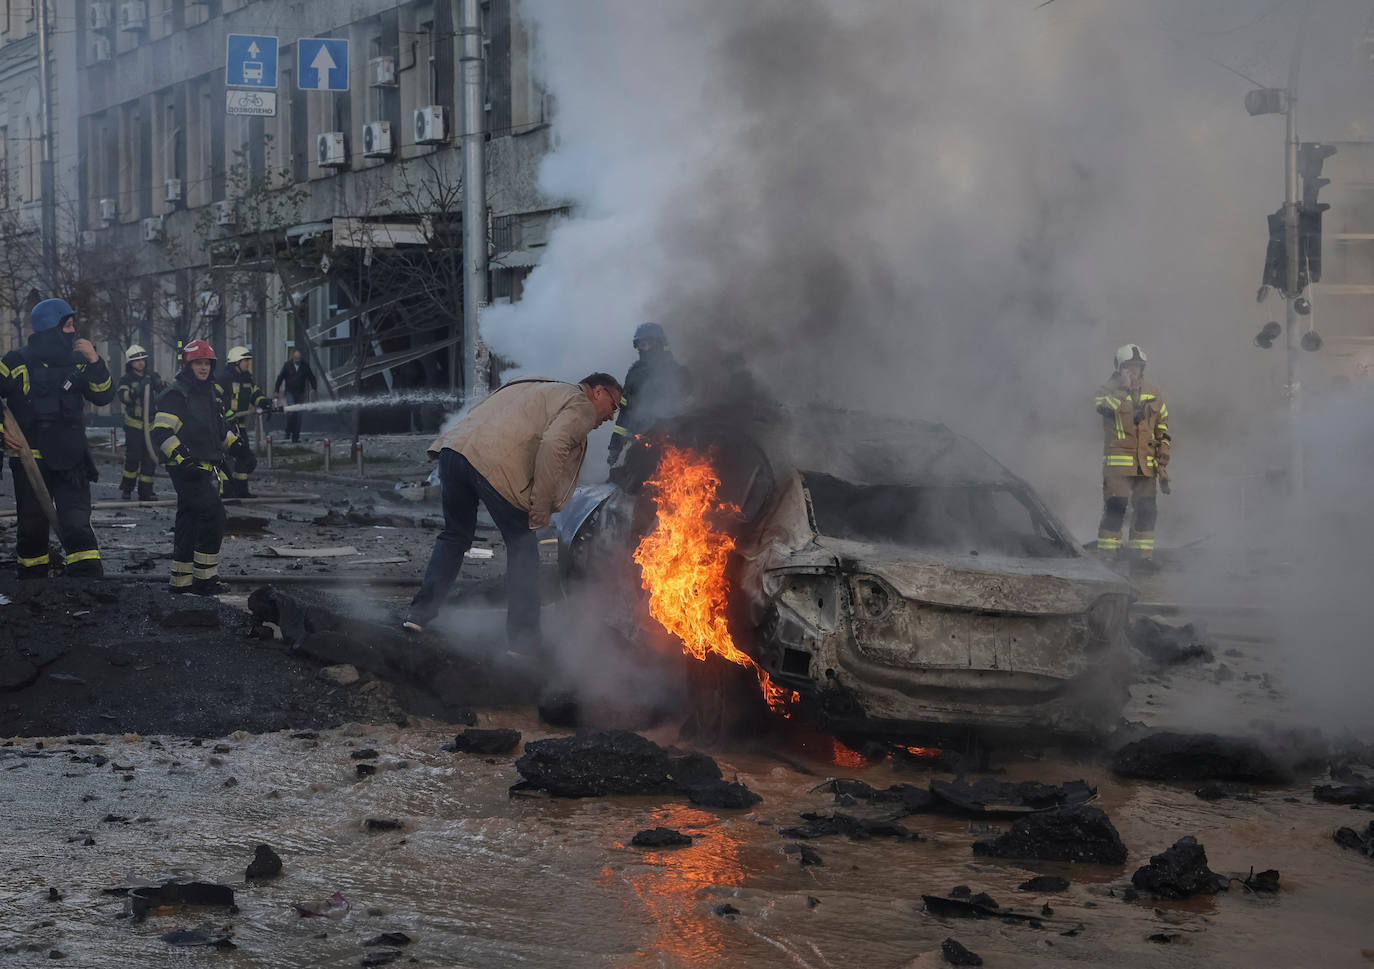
column 949, row 209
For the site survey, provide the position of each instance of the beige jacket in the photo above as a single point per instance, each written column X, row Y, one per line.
column 528, row 439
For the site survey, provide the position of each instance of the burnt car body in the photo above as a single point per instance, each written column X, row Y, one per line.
column 890, row 572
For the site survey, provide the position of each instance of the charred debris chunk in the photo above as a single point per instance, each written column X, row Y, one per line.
column 265, row 864
column 1200, row 757
column 959, row 798
column 1168, row 645
column 1080, row 833
column 857, row 829
column 487, row 742
column 956, row 955
column 1358, row 792
column 1361, row 841
column 1179, row 872
column 660, row 837
column 594, row 763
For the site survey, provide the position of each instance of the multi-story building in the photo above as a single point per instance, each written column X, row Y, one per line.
column 329, row 220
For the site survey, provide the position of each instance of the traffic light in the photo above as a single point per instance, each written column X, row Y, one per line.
column 1276, row 255
column 1311, row 156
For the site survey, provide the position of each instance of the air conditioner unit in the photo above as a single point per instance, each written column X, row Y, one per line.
column 98, row 14
column 100, row 49
column 381, row 72
column 330, row 151
column 377, row 139
column 109, row 210
column 173, row 190
column 31, row 219
column 152, row 229
column 133, row 15
column 224, row 212
column 430, row 128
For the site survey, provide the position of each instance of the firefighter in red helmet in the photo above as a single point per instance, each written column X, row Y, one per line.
column 192, row 436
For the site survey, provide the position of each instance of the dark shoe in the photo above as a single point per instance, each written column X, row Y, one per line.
column 179, row 590
column 150, row 496
column 126, row 496
column 209, row 587
column 89, row 569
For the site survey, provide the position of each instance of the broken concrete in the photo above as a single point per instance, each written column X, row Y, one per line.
column 1082, row 833
column 1179, row 872
column 1200, row 757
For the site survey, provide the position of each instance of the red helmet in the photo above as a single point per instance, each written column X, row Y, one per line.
column 198, row 350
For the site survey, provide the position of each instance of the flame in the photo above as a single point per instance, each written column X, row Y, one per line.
column 845, row 757
column 683, row 563
column 928, row 752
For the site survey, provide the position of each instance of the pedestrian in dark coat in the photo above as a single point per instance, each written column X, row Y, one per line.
column 294, row 377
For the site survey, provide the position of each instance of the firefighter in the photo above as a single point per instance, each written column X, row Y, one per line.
column 655, row 388
column 1135, row 422
column 239, row 394
column 192, row 434
column 46, row 385
column 139, row 462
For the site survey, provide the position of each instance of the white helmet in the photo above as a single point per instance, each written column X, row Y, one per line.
column 1130, row 353
column 239, row 353
column 135, row 352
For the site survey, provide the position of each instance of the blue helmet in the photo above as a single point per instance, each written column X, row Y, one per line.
column 650, row 332
column 50, row 313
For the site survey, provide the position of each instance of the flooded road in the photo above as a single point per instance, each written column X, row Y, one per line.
column 480, row 879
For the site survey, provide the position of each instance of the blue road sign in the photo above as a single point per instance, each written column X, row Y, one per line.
column 322, row 64
column 251, row 61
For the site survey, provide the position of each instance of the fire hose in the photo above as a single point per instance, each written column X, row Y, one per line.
column 35, row 476
column 147, row 430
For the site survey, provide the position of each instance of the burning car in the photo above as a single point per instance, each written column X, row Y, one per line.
column 882, row 577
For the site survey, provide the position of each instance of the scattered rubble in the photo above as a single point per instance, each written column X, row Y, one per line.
column 1179, row 872
column 1080, row 833
column 807, row 855
column 488, row 742
column 184, row 938
column 174, row 892
column 991, row 797
column 1200, row 757
column 1266, row 882
column 336, row 906
column 1045, row 883
column 1361, row 792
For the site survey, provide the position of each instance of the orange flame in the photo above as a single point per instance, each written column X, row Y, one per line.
column 845, row 757
column 930, row 752
column 683, row 563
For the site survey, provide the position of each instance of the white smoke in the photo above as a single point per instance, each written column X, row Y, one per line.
column 948, row 209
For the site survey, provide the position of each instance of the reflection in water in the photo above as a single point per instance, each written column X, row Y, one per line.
column 482, row 880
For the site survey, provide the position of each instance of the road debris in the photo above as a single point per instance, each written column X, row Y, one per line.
column 1081, row 833
column 1179, row 872
column 1200, row 757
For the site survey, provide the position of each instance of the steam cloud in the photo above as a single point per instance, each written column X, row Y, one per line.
column 947, row 210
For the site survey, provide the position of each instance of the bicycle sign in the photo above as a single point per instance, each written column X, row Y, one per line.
column 253, row 104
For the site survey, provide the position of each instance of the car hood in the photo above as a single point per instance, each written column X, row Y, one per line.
column 982, row 583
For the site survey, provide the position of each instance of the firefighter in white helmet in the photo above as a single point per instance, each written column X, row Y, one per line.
column 239, row 395
column 140, row 464
column 1136, row 440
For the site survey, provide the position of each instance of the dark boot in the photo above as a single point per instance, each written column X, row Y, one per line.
column 149, row 495
column 126, row 495
column 209, row 587
column 87, row 569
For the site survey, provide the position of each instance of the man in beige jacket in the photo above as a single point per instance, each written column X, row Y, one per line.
column 519, row 453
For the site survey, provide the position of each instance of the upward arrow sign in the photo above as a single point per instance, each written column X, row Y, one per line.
column 254, row 50
column 322, row 65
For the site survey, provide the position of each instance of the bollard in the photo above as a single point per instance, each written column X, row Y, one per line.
column 114, row 439
column 326, row 455
column 269, row 452
column 360, row 459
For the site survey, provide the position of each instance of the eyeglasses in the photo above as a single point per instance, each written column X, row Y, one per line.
column 616, row 396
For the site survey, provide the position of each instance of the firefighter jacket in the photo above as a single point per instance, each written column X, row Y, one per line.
column 239, row 394
column 655, row 388
column 190, row 430
column 1135, row 429
column 46, row 386
column 131, row 395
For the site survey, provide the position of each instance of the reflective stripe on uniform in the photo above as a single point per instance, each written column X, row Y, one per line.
column 31, row 563
column 1141, row 543
column 1109, row 543
column 240, row 476
column 181, row 575
column 206, row 558
column 1120, row 430
column 86, row 556
column 130, row 475
column 101, row 387
column 622, row 432
column 1119, row 461
column 145, row 478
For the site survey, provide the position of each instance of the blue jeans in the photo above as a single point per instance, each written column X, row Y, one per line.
column 463, row 487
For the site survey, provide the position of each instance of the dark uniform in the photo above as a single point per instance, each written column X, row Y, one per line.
column 191, row 433
column 239, row 394
column 295, row 377
column 139, row 463
column 46, row 386
column 655, row 388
